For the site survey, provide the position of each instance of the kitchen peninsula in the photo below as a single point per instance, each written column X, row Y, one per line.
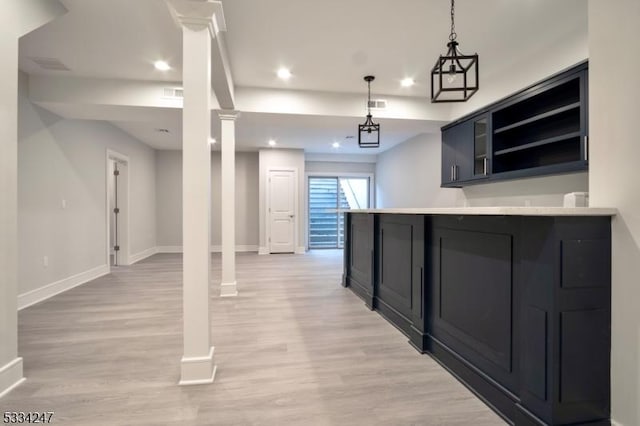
column 514, row 301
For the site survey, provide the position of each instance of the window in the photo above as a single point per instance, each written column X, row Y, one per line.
column 327, row 197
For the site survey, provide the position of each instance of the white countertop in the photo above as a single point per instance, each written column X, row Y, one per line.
column 499, row 211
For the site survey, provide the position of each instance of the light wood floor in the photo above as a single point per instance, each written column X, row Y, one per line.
column 294, row 348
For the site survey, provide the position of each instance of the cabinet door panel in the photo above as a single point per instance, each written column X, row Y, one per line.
column 457, row 153
column 475, row 292
column 448, row 154
column 464, row 151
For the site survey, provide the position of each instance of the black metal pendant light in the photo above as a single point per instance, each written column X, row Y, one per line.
column 454, row 78
column 369, row 132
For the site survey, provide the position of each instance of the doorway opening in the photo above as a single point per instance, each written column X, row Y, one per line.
column 117, row 209
column 328, row 197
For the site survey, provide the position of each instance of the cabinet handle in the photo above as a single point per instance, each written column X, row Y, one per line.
column 455, row 172
column 451, row 173
column 586, row 148
column 421, row 292
column 484, row 164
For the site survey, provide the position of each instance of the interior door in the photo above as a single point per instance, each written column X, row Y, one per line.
column 282, row 220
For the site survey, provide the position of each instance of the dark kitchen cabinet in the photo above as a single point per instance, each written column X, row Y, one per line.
column 465, row 151
column 518, row 308
column 540, row 130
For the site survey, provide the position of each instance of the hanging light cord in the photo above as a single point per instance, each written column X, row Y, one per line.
column 453, row 35
column 369, row 98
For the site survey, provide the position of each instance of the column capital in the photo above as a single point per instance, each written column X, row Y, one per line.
column 198, row 14
column 228, row 114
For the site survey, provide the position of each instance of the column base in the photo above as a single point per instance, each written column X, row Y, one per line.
column 263, row 250
column 198, row 370
column 300, row 250
column 228, row 289
column 11, row 376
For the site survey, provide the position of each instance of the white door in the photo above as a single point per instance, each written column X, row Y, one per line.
column 282, row 203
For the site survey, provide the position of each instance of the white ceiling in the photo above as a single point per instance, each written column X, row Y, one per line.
column 329, row 46
column 313, row 133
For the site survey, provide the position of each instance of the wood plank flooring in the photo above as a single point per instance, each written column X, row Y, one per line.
column 294, row 348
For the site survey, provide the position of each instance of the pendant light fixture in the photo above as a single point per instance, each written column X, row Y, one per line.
column 369, row 132
column 454, row 78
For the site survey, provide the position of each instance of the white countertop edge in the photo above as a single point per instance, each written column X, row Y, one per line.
column 499, row 211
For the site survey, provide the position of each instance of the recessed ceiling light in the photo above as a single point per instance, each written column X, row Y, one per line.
column 336, row 144
column 407, row 82
column 161, row 65
column 212, row 141
column 284, row 73
column 272, row 142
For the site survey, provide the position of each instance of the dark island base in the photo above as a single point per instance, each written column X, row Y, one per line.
column 516, row 308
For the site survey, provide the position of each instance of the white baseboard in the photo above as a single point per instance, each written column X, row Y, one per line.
column 239, row 248
column 228, row 289
column 198, row 370
column 142, row 255
column 169, row 249
column 214, row 249
column 614, row 423
column 297, row 250
column 38, row 295
column 11, row 376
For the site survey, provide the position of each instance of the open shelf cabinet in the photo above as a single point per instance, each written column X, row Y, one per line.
column 538, row 131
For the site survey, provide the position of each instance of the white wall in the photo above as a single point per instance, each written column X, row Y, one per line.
column 286, row 158
column 615, row 149
column 547, row 191
column 408, row 175
column 525, row 67
column 61, row 159
column 169, row 199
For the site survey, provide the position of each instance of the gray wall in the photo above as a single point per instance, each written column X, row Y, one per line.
column 169, row 199
column 408, row 175
column 547, row 191
column 338, row 167
column 615, row 149
column 60, row 159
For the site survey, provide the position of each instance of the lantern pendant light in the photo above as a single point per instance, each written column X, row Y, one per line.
column 454, row 78
column 369, row 132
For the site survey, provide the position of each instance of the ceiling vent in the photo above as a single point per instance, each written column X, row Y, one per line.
column 50, row 64
column 378, row 104
column 173, row 93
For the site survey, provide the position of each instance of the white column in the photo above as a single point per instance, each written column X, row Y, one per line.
column 18, row 17
column 228, row 145
column 10, row 363
column 198, row 364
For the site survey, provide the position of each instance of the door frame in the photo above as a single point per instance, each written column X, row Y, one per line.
column 124, row 238
column 307, row 175
column 296, row 206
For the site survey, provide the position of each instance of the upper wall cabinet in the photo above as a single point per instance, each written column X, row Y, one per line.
column 465, row 151
column 540, row 130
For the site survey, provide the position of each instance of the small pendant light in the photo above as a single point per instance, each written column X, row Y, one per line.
column 369, row 132
column 454, row 78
